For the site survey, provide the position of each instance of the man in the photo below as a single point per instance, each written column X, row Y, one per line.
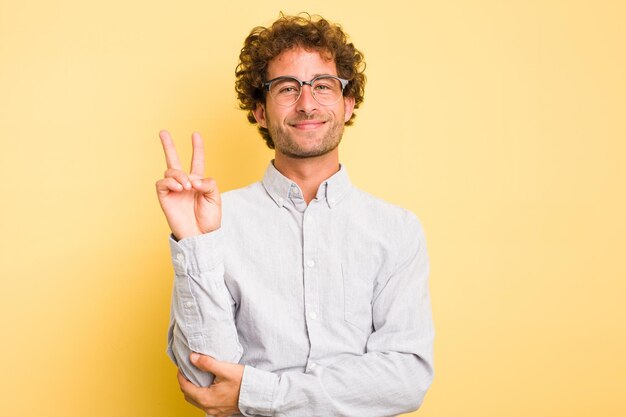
column 308, row 297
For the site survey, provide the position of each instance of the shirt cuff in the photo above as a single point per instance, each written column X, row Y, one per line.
column 196, row 254
column 257, row 392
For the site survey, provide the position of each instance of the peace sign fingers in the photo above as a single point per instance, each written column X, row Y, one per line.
column 191, row 202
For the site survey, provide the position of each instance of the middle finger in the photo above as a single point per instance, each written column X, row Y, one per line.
column 197, row 158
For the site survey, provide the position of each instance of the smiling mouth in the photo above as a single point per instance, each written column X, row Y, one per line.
column 308, row 124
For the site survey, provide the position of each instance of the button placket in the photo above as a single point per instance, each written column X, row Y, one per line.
column 311, row 272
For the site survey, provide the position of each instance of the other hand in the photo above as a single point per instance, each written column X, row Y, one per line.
column 221, row 399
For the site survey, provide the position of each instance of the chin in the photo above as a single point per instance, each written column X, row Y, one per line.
column 302, row 153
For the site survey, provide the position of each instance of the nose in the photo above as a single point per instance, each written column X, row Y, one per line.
column 306, row 103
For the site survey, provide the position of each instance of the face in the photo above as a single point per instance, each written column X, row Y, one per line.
column 306, row 128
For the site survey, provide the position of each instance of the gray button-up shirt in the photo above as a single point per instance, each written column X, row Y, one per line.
column 326, row 304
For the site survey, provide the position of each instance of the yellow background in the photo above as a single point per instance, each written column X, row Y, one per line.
column 501, row 124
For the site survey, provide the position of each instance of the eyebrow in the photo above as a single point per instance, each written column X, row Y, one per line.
column 314, row 75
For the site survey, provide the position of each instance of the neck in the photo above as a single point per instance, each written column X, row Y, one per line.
column 308, row 173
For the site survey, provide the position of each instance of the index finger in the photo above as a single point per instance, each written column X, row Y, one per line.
column 171, row 157
column 189, row 387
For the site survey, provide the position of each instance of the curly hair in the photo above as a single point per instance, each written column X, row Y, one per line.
column 305, row 31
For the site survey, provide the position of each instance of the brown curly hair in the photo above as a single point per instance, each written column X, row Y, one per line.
column 303, row 30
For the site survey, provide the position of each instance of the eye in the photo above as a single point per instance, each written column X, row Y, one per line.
column 326, row 85
column 287, row 89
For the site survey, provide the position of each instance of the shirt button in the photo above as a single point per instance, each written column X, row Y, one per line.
column 189, row 304
column 312, row 315
column 280, row 200
column 331, row 201
column 180, row 257
column 310, row 263
column 312, row 366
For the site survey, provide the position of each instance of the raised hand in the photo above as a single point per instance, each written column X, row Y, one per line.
column 191, row 203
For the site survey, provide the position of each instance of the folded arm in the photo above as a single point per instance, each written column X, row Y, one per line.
column 393, row 375
column 201, row 317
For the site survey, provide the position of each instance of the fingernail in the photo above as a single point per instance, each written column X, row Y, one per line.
column 194, row 357
column 188, row 185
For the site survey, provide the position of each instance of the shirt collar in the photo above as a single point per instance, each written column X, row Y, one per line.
column 332, row 190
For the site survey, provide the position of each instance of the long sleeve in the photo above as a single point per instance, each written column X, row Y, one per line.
column 201, row 318
column 392, row 376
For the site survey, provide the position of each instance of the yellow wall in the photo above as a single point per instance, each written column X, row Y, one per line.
column 500, row 123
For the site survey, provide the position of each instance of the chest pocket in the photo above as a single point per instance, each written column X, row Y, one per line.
column 357, row 293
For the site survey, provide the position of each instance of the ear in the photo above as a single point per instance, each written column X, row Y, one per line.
column 348, row 103
column 259, row 115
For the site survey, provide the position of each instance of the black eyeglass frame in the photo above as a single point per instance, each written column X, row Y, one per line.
column 267, row 85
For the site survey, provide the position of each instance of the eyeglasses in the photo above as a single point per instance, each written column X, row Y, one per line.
column 286, row 90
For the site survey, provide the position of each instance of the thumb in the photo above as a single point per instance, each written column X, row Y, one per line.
column 204, row 362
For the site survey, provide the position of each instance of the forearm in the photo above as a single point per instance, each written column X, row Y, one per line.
column 201, row 312
column 376, row 384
